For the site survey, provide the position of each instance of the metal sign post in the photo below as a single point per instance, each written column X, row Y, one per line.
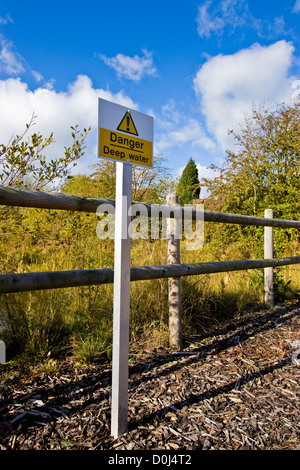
column 119, row 404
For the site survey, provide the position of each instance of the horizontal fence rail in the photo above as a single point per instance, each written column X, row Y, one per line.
column 60, row 201
column 22, row 282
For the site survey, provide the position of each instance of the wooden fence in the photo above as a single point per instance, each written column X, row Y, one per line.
column 174, row 270
column 21, row 282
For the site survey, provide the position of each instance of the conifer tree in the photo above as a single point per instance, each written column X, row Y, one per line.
column 188, row 187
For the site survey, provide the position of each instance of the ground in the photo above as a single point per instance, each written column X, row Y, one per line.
column 235, row 390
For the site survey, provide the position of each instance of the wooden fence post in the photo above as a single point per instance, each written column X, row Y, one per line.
column 268, row 254
column 2, row 352
column 174, row 283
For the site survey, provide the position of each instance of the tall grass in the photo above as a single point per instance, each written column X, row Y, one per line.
column 77, row 322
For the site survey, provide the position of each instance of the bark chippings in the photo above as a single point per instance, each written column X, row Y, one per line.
column 236, row 390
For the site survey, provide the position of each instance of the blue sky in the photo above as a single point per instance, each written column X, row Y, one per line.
column 196, row 66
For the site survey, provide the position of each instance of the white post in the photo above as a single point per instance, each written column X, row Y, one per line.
column 174, row 283
column 119, row 404
column 268, row 254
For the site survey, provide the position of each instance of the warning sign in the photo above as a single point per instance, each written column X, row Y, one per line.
column 124, row 135
column 127, row 124
column 116, row 146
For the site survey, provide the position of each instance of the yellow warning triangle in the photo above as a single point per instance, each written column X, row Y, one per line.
column 127, row 124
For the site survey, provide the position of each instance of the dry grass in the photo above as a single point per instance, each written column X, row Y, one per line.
column 78, row 321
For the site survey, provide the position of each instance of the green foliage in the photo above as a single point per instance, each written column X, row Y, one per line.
column 152, row 184
column 188, row 188
column 37, row 325
column 148, row 184
column 265, row 171
column 283, row 289
column 23, row 164
column 34, row 326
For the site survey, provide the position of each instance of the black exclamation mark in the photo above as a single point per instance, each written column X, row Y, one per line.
column 128, row 122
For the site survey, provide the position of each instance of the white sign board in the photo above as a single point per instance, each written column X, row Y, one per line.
column 124, row 134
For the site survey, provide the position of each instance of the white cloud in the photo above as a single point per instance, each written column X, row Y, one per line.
column 55, row 111
column 213, row 17
column 296, row 8
column 5, row 20
column 12, row 64
column 205, row 172
column 37, row 76
column 132, row 68
column 10, row 61
column 178, row 130
column 276, row 28
column 296, row 94
column 191, row 132
column 228, row 85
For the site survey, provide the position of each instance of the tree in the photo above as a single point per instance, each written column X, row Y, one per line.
column 152, row 184
column 265, row 170
column 188, row 187
column 149, row 184
column 23, row 164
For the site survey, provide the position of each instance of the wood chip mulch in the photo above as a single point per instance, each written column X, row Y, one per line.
column 238, row 389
